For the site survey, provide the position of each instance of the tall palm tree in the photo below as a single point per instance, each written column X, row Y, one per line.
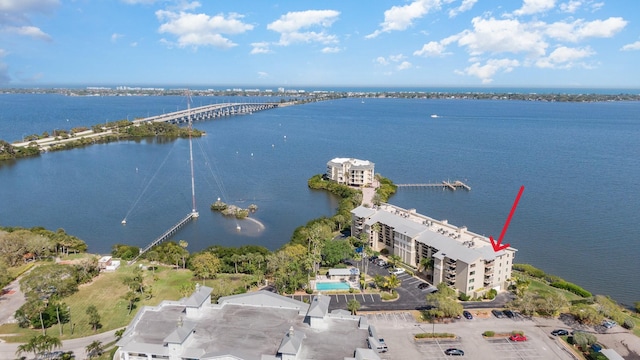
column 48, row 343
column 94, row 349
column 30, row 346
column 183, row 244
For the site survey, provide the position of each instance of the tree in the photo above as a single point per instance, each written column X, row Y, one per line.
column 183, row 244
column 335, row 251
column 353, row 305
column 584, row 340
column 94, row 317
column 187, row 288
column 131, row 297
column 392, row 282
column 205, row 265
column 637, row 306
column 394, row 260
column 94, row 349
column 31, row 346
column 443, row 302
column 48, row 343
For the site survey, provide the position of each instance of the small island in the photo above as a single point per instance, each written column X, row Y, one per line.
column 232, row 210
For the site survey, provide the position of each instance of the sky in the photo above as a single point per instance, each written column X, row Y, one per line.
column 287, row 43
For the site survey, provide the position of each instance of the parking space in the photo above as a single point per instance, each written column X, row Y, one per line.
column 507, row 349
column 434, row 349
column 390, row 317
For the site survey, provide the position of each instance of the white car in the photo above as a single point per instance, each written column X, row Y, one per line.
column 609, row 324
column 397, row 271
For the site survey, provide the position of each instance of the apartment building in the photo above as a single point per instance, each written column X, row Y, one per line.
column 458, row 257
column 253, row 326
column 352, row 172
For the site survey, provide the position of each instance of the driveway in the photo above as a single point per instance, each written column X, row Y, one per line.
column 11, row 299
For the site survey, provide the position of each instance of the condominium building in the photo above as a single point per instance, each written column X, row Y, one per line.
column 253, row 326
column 463, row 260
column 351, row 172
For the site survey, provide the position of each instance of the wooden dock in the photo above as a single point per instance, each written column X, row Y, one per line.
column 444, row 184
column 167, row 234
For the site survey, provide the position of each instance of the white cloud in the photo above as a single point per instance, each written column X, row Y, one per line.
column 465, row 6
column 134, row 2
column 134, row 44
column 260, row 48
column 263, row 75
column 486, row 72
column 530, row 7
column 570, row 7
column 499, row 36
column 564, row 57
column 115, row 37
column 30, row 31
column 196, row 30
column 331, row 50
column 400, row 18
column 431, row 49
column 381, row 60
column 404, row 66
column 27, row 6
column 580, row 29
column 291, row 24
column 631, row 47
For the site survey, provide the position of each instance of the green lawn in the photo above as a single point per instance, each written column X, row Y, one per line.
column 106, row 294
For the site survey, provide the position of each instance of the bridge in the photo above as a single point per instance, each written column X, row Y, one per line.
column 209, row 112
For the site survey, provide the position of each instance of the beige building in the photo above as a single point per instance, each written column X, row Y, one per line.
column 463, row 260
column 352, row 172
column 253, row 326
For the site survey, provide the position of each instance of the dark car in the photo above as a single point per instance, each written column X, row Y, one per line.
column 423, row 286
column 510, row 314
column 467, row 315
column 559, row 332
column 454, row 352
column 497, row 313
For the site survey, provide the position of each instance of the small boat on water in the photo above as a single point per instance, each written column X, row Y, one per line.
column 124, row 222
column 435, row 116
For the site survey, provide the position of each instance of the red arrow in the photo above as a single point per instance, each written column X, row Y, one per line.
column 497, row 246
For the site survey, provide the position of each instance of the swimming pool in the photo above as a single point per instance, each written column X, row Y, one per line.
column 332, row 286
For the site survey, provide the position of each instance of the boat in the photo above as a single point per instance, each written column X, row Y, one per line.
column 434, row 116
column 124, row 222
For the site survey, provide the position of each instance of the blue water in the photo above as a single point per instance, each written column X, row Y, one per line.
column 324, row 286
column 579, row 164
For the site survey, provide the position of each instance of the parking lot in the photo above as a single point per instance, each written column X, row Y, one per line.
column 398, row 330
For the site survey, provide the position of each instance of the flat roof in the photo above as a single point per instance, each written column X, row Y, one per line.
column 245, row 331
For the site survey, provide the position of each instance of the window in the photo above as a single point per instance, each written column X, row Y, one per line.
column 472, row 273
column 470, row 288
column 473, row 265
column 471, row 280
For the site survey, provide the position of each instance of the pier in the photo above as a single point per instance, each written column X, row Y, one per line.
column 167, row 234
column 444, row 184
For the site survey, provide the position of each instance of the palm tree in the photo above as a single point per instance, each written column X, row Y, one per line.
column 31, row 346
column 392, row 282
column 353, row 305
column 94, row 349
column 183, row 244
column 48, row 343
column 394, row 260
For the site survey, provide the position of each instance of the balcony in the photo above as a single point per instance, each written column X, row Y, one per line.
column 451, row 282
column 450, row 277
column 488, row 270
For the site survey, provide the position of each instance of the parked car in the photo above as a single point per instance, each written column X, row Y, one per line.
column 454, row 352
column 423, row 286
column 609, row 324
column 398, row 271
column 373, row 258
column 467, row 315
column 559, row 332
column 510, row 314
column 596, row 347
column 517, row 337
column 380, row 262
column 497, row 313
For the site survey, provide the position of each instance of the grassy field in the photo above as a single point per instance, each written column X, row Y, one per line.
column 106, row 294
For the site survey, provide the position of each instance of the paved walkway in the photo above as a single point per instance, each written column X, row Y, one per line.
column 8, row 350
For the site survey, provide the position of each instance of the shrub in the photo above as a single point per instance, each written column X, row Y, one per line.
column 491, row 294
column 489, row 333
column 464, row 297
column 309, row 291
column 629, row 323
column 571, row 288
column 529, row 270
column 517, row 332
